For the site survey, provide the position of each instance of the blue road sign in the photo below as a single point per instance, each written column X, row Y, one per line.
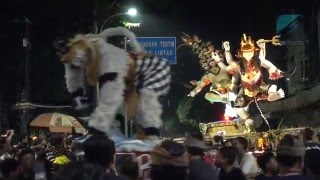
column 160, row 46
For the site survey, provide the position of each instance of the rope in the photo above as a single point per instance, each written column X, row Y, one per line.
column 263, row 117
column 48, row 106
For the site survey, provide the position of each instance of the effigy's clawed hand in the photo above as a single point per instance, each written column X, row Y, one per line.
column 275, row 74
column 226, row 45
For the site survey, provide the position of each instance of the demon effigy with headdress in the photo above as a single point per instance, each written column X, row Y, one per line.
column 249, row 66
column 215, row 72
column 90, row 59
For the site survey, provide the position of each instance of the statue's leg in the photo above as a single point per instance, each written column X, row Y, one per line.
column 111, row 98
column 244, row 114
column 273, row 93
column 149, row 112
column 153, row 81
column 213, row 97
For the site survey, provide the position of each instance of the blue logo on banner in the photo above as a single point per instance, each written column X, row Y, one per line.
column 160, row 46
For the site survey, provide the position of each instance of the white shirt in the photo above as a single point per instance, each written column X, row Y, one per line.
column 248, row 164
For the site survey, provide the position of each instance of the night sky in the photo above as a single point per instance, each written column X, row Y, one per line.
column 222, row 20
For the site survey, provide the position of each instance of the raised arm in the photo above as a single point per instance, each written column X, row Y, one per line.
column 229, row 59
column 200, row 85
column 232, row 65
column 262, row 45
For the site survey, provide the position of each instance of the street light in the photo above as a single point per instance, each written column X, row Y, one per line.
column 130, row 12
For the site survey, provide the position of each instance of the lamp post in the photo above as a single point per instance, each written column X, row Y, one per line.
column 130, row 12
column 24, row 105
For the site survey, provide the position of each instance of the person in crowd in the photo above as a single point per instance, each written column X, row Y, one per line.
column 198, row 168
column 218, row 140
column 81, row 171
column 247, row 162
column 5, row 149
column 310, row 145
column 5, row 145
column 169, row 161
column 10, row 169
column 290, row 152
column 130, row 170
column 209, row 156
column 56, row 154
column 318, row 136
column 269, row 166
column 100, row 150
column 225, row 159
column 313, row 165
column 227, row 143
column 27, row 158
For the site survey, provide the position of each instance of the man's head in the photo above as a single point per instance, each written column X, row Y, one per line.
column 56, row 140
column 268, row 163
column 308, row 134
column 226, row 156
column 26, row 157
column 242, row 144
column 195, row 147
column 290, row 153
column 99, row 149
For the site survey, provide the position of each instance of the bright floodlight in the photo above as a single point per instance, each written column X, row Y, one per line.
column 132, row 12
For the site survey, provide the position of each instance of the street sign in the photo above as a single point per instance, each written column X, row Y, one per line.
column 160, row 46
column 287, row 22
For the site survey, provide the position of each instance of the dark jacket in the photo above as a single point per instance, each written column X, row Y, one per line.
column 201, row 170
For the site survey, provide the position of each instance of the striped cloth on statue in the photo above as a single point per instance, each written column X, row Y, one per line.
column 153, row 73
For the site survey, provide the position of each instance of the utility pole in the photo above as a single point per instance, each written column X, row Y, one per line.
column 24, row 106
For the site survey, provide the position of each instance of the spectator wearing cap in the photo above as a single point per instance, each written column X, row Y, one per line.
column 311, row 146
column 290, row 153
column 198, row 168
column 247, row 162
column 269, row 166
column 169, row 161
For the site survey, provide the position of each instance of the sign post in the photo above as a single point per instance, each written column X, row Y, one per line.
column 164, row 47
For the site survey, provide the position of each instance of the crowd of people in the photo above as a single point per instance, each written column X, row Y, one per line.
column 61, row 157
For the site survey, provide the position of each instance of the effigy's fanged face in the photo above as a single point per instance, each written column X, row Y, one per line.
column 77, row 55
column 248, row 55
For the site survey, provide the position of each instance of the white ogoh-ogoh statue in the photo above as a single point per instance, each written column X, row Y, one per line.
column 249, row 66
column 121, row 76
